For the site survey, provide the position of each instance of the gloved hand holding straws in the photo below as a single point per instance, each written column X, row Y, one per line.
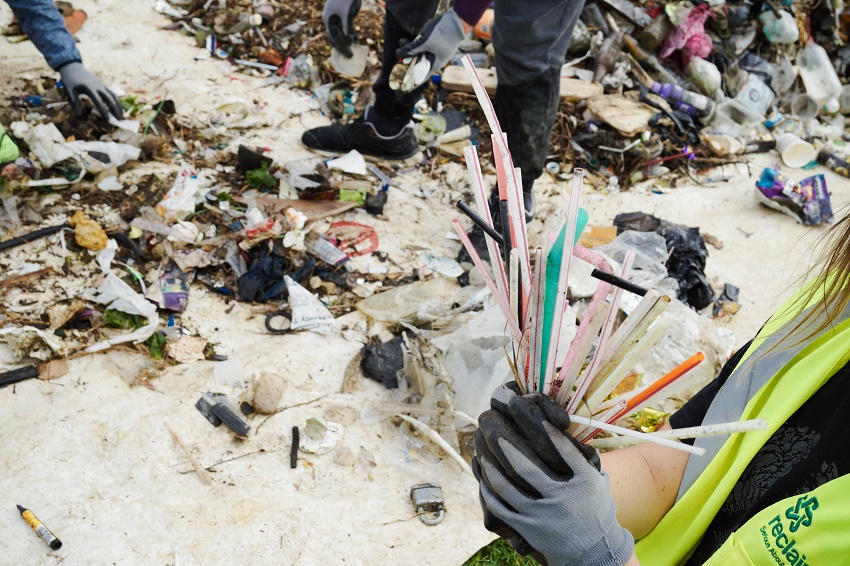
column 541, row 490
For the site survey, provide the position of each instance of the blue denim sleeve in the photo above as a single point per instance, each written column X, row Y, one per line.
column 45, row 26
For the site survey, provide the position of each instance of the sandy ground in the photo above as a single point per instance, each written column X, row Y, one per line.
column 93, row 457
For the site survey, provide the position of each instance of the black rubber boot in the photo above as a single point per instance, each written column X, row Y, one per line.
column 363, row 135
column 527, row 113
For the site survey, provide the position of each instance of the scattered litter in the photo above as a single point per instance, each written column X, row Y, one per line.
column 218, row 409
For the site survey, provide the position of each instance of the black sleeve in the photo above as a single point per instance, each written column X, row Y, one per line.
column 693, row 412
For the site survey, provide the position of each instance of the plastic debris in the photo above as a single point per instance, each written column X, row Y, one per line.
column 352, row 162
column 383, row 362
column 320, row 437
column 268, row 391
column 308, row 313
column 187, row 349
column 807, row 201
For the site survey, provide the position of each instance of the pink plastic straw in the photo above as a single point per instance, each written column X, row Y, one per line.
column 598, row 355
column 474, row 168
column 485, row 102
column 476, row 259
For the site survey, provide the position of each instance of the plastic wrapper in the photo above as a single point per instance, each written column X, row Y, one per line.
column 179, row 201
column 47, row 144
column 175, row 288
column 807, row 201
column 405, row 303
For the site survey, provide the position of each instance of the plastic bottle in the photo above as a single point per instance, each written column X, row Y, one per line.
column 691, row 102
column 818, row 75
column 779, row 30
column 705, row 76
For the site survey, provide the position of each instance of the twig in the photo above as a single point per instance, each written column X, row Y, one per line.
column 433, row 435
column 199, row 469
column 155, row 116
column 282, row 409
column 260, row 451
column 15, row 279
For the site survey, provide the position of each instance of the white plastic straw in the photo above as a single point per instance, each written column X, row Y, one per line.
column 535, row 308
column 634, row 434
column 678, row 433
column 601, row 389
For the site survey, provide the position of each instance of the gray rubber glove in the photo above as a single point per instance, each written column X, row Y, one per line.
column 338, row 16
column 79, row 81
column 437, row 41
column 541, row 490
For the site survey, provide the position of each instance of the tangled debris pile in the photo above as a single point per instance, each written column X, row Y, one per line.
column 655, row 91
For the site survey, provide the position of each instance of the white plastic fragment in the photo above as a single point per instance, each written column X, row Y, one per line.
column 320, row 437
column 106, row 255
column 179, row 201
column 92, row 152
column 352, row 162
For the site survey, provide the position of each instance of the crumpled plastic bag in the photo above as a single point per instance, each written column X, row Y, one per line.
column 99, row 156
column 688, row 255
column 115, row 293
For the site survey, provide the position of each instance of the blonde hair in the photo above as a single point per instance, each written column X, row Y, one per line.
column 828, row 289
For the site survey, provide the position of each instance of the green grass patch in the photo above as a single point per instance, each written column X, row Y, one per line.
column 499, row 553
column 260, row 178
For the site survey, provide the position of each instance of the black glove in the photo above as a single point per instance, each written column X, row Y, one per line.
column 338, row 16
column 541, row 490
column 80, row 81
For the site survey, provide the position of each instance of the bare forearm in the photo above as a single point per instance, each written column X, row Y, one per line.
column 644, row 481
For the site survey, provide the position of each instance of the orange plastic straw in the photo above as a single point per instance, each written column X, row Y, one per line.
column 671, row 376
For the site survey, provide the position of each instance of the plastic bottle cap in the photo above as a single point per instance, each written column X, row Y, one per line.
column 832, row 106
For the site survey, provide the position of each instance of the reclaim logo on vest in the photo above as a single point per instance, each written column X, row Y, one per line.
column 780, row 545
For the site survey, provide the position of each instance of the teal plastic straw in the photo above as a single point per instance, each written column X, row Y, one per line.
column 553, row 266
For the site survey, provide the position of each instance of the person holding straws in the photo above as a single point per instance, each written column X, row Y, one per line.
column 772, row 496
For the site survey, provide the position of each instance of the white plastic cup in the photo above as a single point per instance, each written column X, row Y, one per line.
column 804, row 107
column 795, row 152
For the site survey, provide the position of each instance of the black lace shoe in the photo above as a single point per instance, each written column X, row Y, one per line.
column 362, row 136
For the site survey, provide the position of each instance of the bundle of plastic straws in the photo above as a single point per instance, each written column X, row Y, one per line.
column 530, row 288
